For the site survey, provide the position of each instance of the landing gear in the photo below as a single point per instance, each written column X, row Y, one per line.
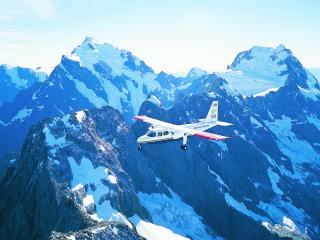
column 184, row 147
column 184, row 142
column 139, row 147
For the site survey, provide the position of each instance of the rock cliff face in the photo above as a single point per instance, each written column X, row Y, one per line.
column 32, row 203
column 112, row 231
column 72, row 172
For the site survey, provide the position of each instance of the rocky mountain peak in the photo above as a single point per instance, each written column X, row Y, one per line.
column 196, row 72
column 265, row 61
column 95, row 55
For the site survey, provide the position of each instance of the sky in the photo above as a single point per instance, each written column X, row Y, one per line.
column 171, row 36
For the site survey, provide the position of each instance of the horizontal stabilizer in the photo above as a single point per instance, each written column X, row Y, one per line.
column 224, row 124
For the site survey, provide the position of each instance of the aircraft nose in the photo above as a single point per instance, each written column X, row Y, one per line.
column 140, row 139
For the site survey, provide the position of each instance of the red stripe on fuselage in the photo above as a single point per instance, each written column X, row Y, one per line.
column 141, row 118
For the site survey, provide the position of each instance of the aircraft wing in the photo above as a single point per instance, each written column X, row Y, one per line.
column 154, row 121
column 210, row 136
column 207, row 135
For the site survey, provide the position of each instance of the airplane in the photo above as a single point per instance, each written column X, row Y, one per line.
column 163, row 131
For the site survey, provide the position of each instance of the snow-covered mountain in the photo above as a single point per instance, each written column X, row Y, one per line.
column 81, row 165
column 260, row 69
column 196, row 73
column 93, row 75
column 86, row 169
column 15, row 79
column 260, row 178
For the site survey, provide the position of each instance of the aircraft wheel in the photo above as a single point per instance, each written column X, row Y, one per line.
column 139, row 147
column 184, row 147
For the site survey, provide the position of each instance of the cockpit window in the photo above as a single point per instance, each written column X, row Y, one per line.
column 165, row 133
column 159, row 134
column 151, row 134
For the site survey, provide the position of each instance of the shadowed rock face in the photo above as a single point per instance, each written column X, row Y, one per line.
column 7, row 160
column 111, row 230
column 251, row 178
column 189, row 173
column 32, row 202
column 37, row 196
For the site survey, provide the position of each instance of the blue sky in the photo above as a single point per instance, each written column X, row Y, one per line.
column 168, row 35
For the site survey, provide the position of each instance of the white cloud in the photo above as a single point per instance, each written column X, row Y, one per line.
column 43, row 8
column 18, row 9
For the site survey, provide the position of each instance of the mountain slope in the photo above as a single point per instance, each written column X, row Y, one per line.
column 261, row 68
column 315, row 72
column 15, row 79
column 251, row 179
column 81, row 169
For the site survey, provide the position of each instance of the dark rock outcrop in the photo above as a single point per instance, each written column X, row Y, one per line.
column 111, row 230
column 37, row 196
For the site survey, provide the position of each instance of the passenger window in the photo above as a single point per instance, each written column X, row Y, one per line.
column 151, row 134
column 159, row 134
column 165, row 133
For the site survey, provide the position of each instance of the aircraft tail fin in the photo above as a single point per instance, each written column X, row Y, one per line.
column 213, row 112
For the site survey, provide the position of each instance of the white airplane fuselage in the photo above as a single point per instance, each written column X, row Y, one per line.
column 157, row 134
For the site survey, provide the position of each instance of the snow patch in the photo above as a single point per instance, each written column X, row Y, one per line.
column 222, row 145
column 112, row 179
column 85, row 173
column 311, row 93
column 314, row 120
column 241, row 207
column 264, row 93
column 154, row 100
column 95, row 217
column 51, row 140
column 80, row 116
column 174, row 214
column 87, row 200
column 297, row 150
column 3, row 124
column 274, row 179
column 255, row 122
column 89, row 94
column 219, row 179
column 152, row 231
column 77, row 187
column 277, row 209
column 98, row 230
column 22, row 114
column 119, row 217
